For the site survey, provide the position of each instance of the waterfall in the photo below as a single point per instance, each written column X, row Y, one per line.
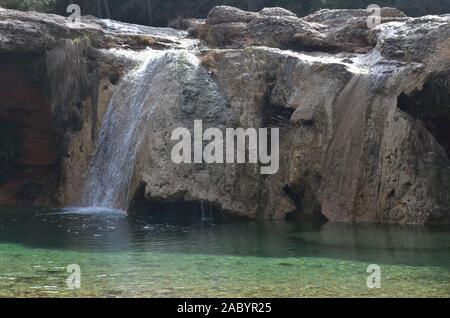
column 170, row 79
column 107, row 181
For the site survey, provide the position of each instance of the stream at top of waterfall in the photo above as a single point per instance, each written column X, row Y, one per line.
column 120, row 256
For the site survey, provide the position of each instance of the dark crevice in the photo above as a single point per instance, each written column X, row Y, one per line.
column 177, row 210
column 274, row 115
column 29, row 166
column 359, row 43
column 306, row 206
column 295, row 196
column 299, row 46
column 431, row 105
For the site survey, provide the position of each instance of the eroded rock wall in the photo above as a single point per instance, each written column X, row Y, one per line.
column 359, row 138
column 56, row 82
column 349, row 151
column 28, row 142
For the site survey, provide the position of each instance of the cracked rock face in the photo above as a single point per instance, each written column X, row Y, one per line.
column 348, row 150
column 359, row 138
column 64, row 79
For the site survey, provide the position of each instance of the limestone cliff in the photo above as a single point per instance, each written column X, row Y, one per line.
column 363, row 111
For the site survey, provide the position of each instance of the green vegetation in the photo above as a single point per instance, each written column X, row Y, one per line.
column 160, row 12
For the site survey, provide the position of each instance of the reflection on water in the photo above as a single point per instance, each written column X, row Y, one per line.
column 125, row 256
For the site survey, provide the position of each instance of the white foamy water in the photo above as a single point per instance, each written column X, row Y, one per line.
column 89, row 211
column 108, row 179
column 135, row 100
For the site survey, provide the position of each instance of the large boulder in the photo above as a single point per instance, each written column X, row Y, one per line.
column 277, row 12
column 225, row 14
column 34, row 31
column 326, row 30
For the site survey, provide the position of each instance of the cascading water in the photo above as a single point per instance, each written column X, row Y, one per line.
column 106, row 184
column 131, row 106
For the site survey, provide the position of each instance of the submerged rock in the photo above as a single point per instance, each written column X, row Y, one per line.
column 358, row 139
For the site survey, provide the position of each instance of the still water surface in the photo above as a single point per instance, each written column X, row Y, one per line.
column 137, row 257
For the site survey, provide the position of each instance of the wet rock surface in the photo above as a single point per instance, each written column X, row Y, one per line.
column 33, row 31
column 359, row 140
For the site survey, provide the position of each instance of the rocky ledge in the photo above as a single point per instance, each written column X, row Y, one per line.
column 363, row 111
